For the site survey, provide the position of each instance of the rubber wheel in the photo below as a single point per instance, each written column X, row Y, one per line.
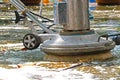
column 31, row 41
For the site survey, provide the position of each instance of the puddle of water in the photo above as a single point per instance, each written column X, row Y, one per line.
column 15, row 57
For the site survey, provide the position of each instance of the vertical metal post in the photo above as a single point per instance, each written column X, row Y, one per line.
column 77, row 15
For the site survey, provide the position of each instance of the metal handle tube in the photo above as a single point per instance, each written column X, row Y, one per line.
column 19, row 5
column 33, row 17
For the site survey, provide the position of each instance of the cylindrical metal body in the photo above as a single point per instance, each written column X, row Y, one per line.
column 77, row 15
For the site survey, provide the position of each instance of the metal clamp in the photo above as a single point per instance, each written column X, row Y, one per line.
column 105, row 35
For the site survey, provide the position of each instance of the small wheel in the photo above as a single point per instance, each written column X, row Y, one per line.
column 31, row 41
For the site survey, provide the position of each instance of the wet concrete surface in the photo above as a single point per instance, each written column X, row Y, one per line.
column 19, row 64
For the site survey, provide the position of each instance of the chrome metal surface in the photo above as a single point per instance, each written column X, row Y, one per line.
column 77, row 15
column 60, row 10
column 76, row 44
column 85, row 41
column 45, row 37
